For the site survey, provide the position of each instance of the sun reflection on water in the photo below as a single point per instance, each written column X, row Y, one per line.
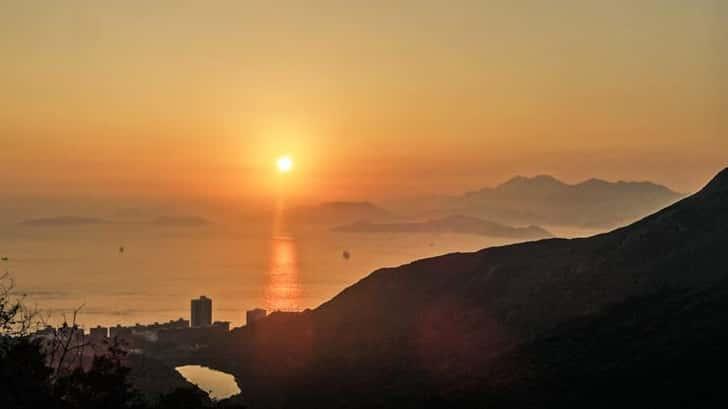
column 283, row 289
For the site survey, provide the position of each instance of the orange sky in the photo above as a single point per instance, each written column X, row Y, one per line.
column 372, row 100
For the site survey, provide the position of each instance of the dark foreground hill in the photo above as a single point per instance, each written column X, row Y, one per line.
column 636, row 316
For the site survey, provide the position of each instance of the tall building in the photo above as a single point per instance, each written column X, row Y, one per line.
column 201, row 312
column 98, row 333
column 254, row 315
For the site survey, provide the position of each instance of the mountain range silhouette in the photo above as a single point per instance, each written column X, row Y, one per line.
column 545, row 200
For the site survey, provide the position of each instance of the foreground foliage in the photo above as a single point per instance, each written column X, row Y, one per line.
column 40, row 373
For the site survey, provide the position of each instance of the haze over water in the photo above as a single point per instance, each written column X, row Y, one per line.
column 161, row 269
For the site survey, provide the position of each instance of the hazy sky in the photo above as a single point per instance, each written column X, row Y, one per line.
column 373, row 99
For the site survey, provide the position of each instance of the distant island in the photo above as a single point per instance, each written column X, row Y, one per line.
column 70, row 221
column 63, row 221
column 452, row 224
column 335, row 213
column 545, row 200
column 541, row 200
column 180, row 221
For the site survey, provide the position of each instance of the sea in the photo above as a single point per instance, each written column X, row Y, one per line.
column 109, row 274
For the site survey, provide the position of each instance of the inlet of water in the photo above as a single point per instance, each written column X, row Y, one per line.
column 218, row 384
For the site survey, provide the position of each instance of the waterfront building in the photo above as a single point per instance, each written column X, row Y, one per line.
column 201, row 312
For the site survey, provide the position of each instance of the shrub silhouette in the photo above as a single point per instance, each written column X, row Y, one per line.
column 33, row 376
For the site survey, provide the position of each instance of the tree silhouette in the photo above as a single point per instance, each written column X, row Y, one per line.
column 50, row 373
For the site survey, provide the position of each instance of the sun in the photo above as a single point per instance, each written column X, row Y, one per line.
column 284, row 164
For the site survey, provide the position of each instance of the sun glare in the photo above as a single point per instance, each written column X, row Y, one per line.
column 284, row 164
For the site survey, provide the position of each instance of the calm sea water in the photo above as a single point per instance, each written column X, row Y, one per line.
column 161, row 269
column 218, row 385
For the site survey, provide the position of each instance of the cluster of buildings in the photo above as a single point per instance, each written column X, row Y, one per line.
column 198, row 328
column 201, row 314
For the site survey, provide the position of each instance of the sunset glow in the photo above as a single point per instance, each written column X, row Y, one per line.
column 283, row 290
column 476, row 98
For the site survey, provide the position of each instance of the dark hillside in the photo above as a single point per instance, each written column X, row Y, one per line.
column 442, row 328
